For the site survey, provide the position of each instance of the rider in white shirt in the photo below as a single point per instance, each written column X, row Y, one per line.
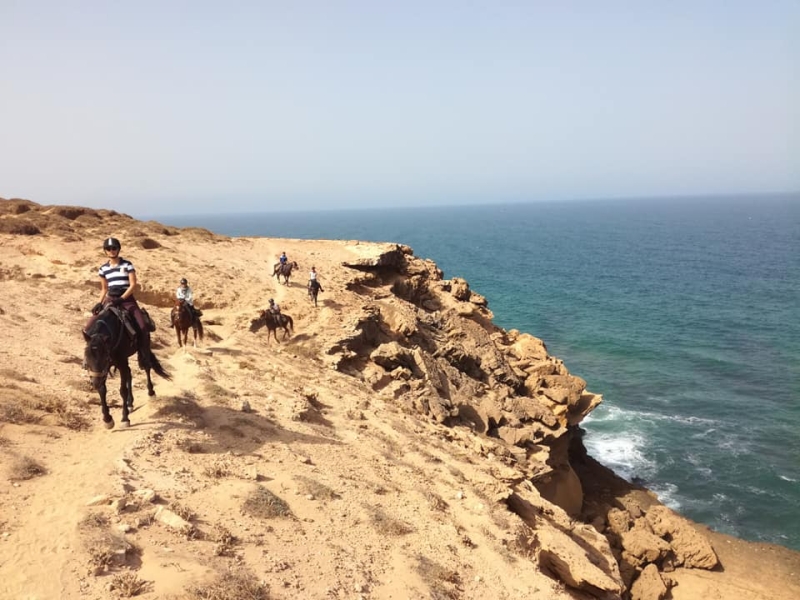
column 185, row 293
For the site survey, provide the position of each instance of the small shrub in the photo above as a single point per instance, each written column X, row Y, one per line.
column 217, row 470
column 229, row 585
column 94, row 520
column 436, row 502
column 12, row 412
column 23, row 468
column 315, row 488
column 182, row 511
column 16, row 376
column 264, row 504
column 444, row 583
column 388, row 525
column 127, row 584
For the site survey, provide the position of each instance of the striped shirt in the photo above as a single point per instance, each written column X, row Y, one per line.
column 117, row 277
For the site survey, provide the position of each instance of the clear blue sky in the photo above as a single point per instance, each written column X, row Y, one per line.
column 168, row 107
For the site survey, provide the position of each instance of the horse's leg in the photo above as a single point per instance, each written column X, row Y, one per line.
column 126, row 391
column 100, row 385
column 177, row 333
column 194, row 333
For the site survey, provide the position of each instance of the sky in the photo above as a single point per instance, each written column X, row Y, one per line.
column 215, row 107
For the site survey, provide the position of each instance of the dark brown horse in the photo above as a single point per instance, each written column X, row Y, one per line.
column 314, row 288
column 182, row 319
column 285, row 270
column 270, row 320
column 109, row 343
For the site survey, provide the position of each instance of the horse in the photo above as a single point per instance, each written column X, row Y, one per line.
column 284, row 269
column 109, row 344
column 182, row 319
column 268, row 319
column 314, row 288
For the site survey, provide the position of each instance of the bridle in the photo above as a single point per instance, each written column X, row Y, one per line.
column 107, row 356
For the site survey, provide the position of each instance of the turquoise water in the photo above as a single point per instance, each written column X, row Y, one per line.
column 684, row 314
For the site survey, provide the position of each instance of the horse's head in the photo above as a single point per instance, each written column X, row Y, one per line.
column 259, row 321
column 97, row 355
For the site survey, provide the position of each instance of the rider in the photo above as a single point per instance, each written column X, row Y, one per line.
column 117, row 283
column 313, row 280
column 184, row 293
column 274, row 309
column 283, row 260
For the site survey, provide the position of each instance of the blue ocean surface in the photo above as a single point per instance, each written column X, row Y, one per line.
column 684, row 313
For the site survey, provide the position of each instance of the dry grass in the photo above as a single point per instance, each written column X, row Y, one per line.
column 444, row 583
column 15, row 376
column 127, row 584
column 23, row 468
column 94, row 520
column 17, row 414
column 264, row 504
column 388, row 525
column 107, row 549
column 240, row 585
column 436, row 502
column 216, row 391
column 4, row 442
column 315, row 488
column 182, row 511
column 224, row 541
column 217, row 470
column 524, row 543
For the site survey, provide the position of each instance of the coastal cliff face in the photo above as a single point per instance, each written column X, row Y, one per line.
column 397, row 445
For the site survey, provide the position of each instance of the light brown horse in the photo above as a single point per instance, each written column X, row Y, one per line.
column 268, row 319
column 182, row 320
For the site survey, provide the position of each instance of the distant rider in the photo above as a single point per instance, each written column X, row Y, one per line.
column 274, row 310
column 185, row 293
column 283, row 260
column 313, row 281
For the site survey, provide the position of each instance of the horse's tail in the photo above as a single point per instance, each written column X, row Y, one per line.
column 199, row 328
column 156, row 366
column 289, row 322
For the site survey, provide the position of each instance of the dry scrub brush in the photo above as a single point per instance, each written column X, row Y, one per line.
column 264, row 504
column 238, row 585
column 315, row 488
column 128, row 584
column 23, row 468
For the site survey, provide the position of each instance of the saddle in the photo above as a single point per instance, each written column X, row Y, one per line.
column 127, row 321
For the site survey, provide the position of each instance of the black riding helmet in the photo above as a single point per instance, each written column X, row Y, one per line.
column 112, row 244
column 184, row 282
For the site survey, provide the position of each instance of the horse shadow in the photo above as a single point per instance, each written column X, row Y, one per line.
column 227, row 429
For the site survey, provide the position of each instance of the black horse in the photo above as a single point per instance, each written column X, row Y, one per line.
column 284, row 269
column 314, row 288
column 271, row 321
column 109, row 344
column 183, row 318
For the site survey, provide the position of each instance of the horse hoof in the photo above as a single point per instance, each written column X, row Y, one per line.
column 151, row 392
column 109, row 424
column 124, row 424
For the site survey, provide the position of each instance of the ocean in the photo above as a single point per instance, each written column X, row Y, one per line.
column 684, row 313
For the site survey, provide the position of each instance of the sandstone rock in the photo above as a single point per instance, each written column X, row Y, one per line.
column 649, row 585
column 690, row 547
column 644, row 546
column 171, row 520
